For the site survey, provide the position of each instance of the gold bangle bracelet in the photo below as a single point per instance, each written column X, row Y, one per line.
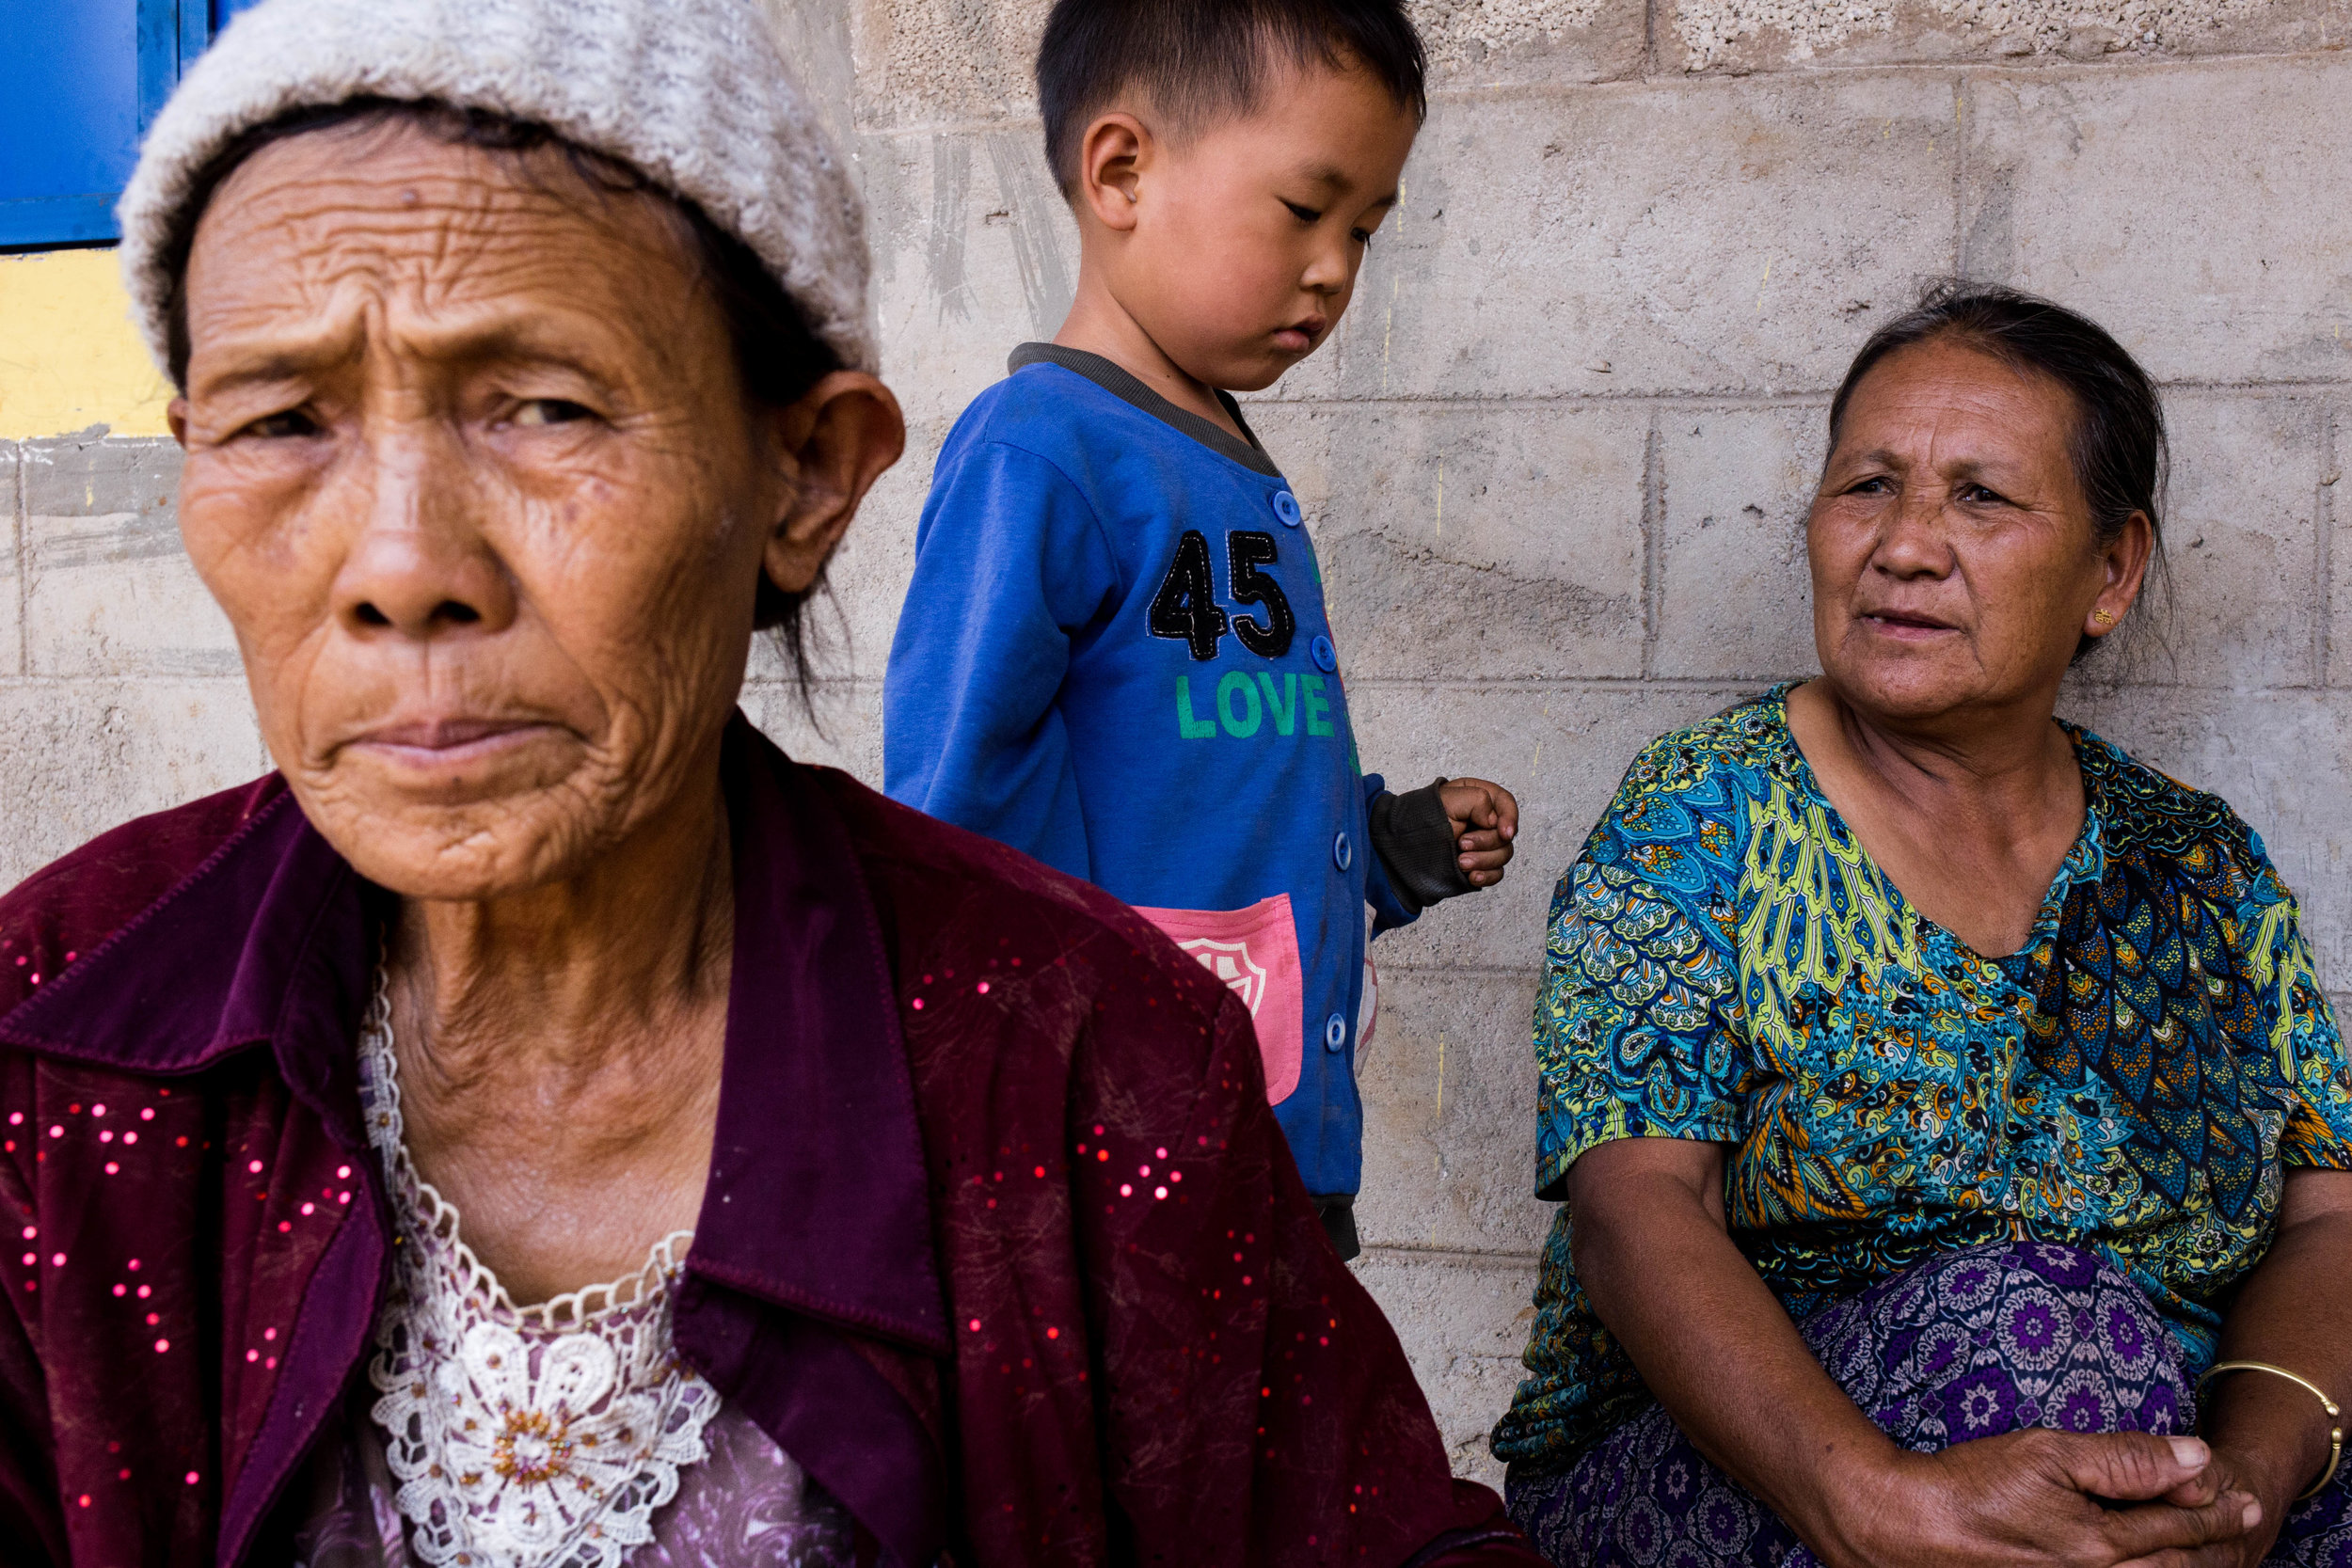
column 2335, row 1415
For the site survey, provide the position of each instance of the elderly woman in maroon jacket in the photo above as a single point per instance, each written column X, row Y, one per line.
column 541, row 1124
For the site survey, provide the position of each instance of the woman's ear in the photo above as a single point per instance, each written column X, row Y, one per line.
column 1110, row 168
column 834, row 442
column 2123, row 570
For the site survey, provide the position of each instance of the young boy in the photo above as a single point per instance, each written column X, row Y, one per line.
column 1114, row 652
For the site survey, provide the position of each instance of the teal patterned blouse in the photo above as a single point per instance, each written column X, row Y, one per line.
column 1726, row 962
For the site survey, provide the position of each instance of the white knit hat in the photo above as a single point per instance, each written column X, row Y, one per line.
column 691, row 93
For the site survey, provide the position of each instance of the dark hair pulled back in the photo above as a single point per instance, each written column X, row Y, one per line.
column 777, row 357
column 2120, row 456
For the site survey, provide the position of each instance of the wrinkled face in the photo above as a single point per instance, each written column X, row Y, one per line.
column 1954, row 561
column 1252, row 230
column 470, row 470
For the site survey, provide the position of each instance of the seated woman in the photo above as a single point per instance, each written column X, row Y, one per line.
column 541, row 1124
column 1950, row 1121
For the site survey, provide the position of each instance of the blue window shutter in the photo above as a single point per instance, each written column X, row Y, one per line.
column 198, row 24
column 80, row 82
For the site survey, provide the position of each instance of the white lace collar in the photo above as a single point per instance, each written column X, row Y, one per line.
column 541, row 1436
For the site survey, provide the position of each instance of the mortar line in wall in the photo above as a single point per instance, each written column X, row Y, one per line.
column 1714, row 401
column 1733, row 685
column 2036, row 64
column 1653, row 528
column 1466, row 1255
column 1962, row 104
column 2032, row 67
column 926, row 129
column 1735, row 682
column 786, row 683
column 2330, row 481
column 2310, row 384
column 1649, row 41
column 226, row 680
column 1539, row 684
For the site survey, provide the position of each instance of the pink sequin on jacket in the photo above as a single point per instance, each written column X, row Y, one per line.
column 1001, row 1242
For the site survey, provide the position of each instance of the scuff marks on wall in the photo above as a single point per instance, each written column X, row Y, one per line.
column 1034, row 213
column 943, row 242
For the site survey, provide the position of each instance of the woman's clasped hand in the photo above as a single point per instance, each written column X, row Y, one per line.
column 2037, row 1496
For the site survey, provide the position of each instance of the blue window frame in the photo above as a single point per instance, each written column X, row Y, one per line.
column 80, row 81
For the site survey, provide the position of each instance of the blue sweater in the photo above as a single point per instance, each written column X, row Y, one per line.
column 1114, row 656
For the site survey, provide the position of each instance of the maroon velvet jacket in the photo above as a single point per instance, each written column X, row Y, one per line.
column 1001, row 1240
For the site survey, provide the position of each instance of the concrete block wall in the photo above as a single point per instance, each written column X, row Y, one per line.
column 1557, row 454
column 120, row 690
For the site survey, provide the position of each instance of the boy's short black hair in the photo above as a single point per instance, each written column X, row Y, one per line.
column 1195, row 59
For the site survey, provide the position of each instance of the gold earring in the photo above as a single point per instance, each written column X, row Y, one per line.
column 2103, row 617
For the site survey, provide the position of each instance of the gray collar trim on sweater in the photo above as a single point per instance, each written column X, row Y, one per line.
column 1122, row 385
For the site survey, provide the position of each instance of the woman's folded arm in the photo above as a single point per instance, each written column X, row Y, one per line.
column 2269, row 1436
column 1709, row 1338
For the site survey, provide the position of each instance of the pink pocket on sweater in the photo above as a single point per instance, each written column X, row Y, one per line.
column 1255, row 952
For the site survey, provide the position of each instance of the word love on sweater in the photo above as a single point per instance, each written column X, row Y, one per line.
column 1242, row 705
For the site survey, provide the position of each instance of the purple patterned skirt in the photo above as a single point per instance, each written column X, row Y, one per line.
column 1966, row 1345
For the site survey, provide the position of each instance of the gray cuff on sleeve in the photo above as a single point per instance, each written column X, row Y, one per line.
column 1415, row 840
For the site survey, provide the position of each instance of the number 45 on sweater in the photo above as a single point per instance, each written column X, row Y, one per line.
column 1186, row 607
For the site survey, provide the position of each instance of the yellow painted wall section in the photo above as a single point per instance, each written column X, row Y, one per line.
column 70, row 358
